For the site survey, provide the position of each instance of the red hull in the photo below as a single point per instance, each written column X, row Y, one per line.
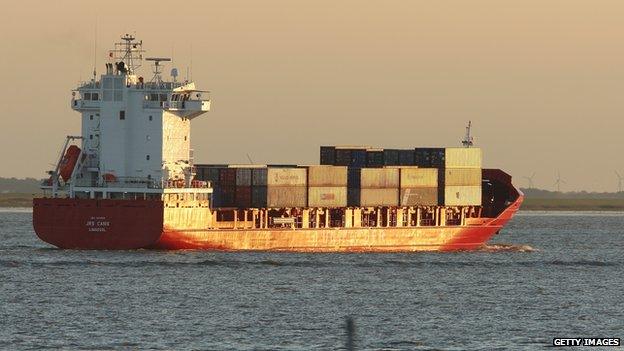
column 134, row 224
column 98, row 224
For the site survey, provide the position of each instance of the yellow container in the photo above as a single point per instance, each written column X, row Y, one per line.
column 462, row 195
column 379, row 178
column 418, row 196
column 327, row 196
column 462, row 176
column 287, row 176
column 286, row 196
column 327, row 176
column 379, row 197
column 463, row 157
column 419, row 177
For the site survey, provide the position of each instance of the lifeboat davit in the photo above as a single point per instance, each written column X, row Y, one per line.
column 69, row 162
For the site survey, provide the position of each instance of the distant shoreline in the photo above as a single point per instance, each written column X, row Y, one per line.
column 15, row 200
column 610, row 205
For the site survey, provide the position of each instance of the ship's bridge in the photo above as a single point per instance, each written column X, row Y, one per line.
column 180, row 98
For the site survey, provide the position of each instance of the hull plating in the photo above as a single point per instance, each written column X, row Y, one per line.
column 134, row 224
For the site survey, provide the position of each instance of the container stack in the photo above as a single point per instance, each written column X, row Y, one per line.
column 429, row 157
column 375, row 158
column 462, row 177
column 286, row 187
column 379, row 186
column 428, row 176
column 419, row 186
column 353, row 177
column 327, row 186
column 259, row 187
column 233, row 185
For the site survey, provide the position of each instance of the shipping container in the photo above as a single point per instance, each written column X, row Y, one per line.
column 391, row 157
column 327, row 176
column 243, row 176
column 287, row 177
column 406, row 157
column 227, row 196
column 215, row 198
column 353, row 157
column 353, row 197
column 327, row 196
column 199, row 173
column 419, row 177
column 462, row 176
column 208, row 173
column 353, row 177
column 227, row 176
column 242, row 197
column 343, row 157
column 463, row 157
column 212, row 175
column 379, row 197
column 287, row 196
column 462, row 195
column 379, row 178
column 374, row 158
column 429, row 157
column 259, row 177
column 427, row 196
column 259, row 197
column 328, row 155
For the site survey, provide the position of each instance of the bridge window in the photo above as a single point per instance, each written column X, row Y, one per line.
column 147, row 157
column 86, row 96
column 95, row 96
column 122, row 114
column 150, row 117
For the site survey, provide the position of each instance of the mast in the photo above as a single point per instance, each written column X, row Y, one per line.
column 128, row 54
column 468, row 140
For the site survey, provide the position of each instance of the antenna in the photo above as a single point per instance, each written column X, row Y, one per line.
column 620, row 178
column 157, row 67
column 468, row 141
column 249, row 158
column 559, row 181
column 95, row 51
column 129, row 54
column 530, row 180
column 191, row 76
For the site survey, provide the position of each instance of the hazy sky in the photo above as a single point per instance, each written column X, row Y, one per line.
column 542, row 81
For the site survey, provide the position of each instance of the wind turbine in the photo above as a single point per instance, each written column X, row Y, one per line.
column 530, row 180
column 559, row 181
column 619, row 181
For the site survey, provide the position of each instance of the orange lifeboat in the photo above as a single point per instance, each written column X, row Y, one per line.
column 69, row 162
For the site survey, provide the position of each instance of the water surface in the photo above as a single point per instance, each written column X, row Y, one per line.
column 561, row 277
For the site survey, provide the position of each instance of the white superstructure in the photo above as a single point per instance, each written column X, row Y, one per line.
column 135, row 129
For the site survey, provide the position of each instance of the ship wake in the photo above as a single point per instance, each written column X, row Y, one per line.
column 506, row 248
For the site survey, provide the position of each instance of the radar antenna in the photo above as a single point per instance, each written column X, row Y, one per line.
column 468, row 140
column 157, row 67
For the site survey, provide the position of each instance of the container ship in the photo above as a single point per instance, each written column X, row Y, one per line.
column 129, row 181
